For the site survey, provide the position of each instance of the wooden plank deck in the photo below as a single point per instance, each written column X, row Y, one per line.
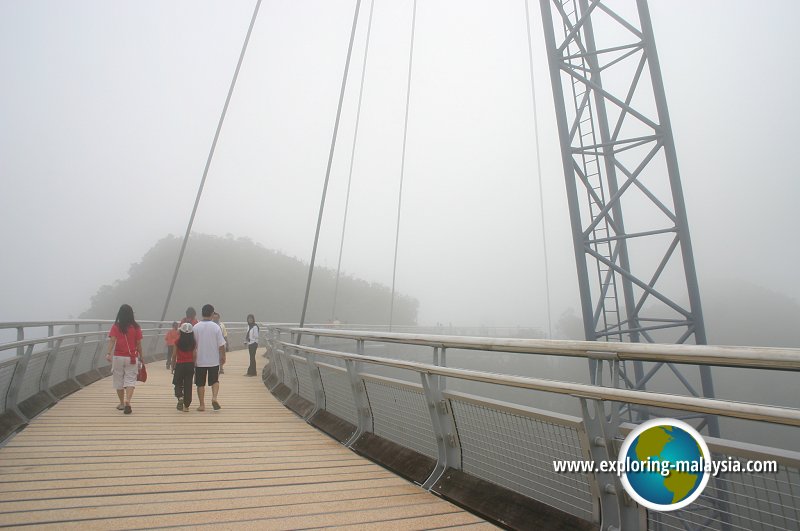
column 251, row 465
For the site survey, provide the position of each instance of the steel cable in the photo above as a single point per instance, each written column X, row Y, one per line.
column 402, row 163
column 539, row 169
column 330, row 161
column 352, row 158
column 210, row 157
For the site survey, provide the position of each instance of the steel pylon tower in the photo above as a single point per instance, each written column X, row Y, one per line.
column 630, row 232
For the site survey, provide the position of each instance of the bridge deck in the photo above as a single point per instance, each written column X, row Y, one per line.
column 253, row 464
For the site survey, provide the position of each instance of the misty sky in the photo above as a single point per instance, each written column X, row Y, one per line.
column 108, row 110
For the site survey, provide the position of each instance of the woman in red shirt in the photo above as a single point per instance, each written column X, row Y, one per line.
column 183, row 359
column 124, row 346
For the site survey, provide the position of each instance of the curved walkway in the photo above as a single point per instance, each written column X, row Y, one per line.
column 251, row 465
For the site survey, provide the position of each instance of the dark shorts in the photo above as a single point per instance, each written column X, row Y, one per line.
column 200, row 375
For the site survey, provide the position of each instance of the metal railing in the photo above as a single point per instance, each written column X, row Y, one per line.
column 514, row 446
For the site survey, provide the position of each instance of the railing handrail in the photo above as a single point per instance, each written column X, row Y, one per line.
column 87, row 322
column 77, row 335
column 716, row 355
column 74, row 335
column 742, row 410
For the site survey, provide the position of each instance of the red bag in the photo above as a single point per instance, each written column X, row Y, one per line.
column 142, row 376
column 136, row 355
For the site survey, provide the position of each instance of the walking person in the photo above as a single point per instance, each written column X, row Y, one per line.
column 251, row 340
column 191, row 316
column 124, row 348
column 170, row 338
column 210, row 357
column 215, row 318
column 184, row 355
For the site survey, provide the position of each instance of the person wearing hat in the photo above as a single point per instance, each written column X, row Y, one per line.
column 183, row 359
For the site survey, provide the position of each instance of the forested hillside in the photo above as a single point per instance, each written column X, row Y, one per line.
column 239, row 277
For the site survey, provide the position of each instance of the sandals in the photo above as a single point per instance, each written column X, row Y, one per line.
column 215, row 405
column 121, row 407
column 127, row 409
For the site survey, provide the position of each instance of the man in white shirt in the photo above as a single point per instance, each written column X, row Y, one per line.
column 210, row 357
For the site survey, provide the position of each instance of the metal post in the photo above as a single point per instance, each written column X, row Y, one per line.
column 618, row 511
column 360, row 399
column 44, row 382
column 316, row 384
column 20, row 337
column 73, row 362
column 12, row 397
column 444, row 428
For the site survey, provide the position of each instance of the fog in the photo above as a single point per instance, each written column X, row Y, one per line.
column 109, row 110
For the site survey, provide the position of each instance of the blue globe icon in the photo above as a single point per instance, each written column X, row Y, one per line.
column 664, row 464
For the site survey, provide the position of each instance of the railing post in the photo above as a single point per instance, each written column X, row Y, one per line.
column 363, row 411
column 48, row 368
column 73, row 363
column 316, row 384
column 101, row 341
column 294, row 381
column 447, row 442
column 12, row 397
column 278, row 369
column 20, row 337
column 618, row 510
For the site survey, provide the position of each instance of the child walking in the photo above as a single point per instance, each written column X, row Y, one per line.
column 183, row 358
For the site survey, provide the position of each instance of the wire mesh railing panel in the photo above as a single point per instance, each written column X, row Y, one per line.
column 338, row 395
column 305, row 387
column 33, row 375
column 288, row 372
column 740, row 501
column 87, row 355
column 401, row 415
column 60, row 369
column 6, row 375
column 517, row 452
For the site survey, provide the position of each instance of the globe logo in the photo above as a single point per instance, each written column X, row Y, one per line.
column 663, row 464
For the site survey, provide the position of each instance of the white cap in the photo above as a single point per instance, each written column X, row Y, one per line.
column 186, row 328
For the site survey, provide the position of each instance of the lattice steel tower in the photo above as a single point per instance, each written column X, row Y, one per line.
column 636, row 271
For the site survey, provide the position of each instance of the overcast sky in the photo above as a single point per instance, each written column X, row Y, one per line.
column 108, row 110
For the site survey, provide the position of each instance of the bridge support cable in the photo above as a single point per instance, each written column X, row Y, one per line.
column 403, row 162
column 352, row 159
column 209, row 158
column 330, row 161
column 539, row 170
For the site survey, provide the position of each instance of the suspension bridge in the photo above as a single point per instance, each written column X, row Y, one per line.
column 398, row 427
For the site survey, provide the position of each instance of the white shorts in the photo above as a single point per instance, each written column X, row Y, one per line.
column 123, row 372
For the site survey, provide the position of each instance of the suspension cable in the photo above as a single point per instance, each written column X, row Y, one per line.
column 352, row 158
column 330, row 161
column 210, row 156
column 402, row 163
column 539, row 170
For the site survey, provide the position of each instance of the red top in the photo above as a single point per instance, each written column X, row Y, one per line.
column 133, row 336
column 185, row 320
column 172, row 336
column 184, row 356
